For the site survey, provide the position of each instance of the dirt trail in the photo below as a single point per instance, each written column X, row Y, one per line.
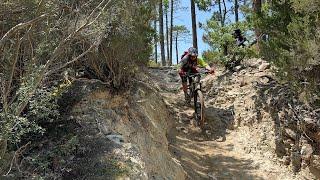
column 218, row 152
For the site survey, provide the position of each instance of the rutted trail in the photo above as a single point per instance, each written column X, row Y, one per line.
column 220, row 152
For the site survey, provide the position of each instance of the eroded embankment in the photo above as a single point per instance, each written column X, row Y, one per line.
column 121, row 135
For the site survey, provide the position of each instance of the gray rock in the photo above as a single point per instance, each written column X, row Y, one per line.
column 315, row 162
column 306, row 151
column 118, row 139
column 212, row 176
column 290, row 133
column 180, row 128
column 286, row 160
column 237, row 68
column 264, row 66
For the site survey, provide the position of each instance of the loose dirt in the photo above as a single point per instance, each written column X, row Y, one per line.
column 221, row 151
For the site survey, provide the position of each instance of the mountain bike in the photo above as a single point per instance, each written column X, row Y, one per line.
column 195, row 92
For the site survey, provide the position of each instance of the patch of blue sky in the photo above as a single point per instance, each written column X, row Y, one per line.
column 183, row 17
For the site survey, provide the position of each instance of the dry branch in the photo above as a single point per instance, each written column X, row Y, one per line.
column 20, row 26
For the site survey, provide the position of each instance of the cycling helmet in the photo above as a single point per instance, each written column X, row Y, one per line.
column 193, row 51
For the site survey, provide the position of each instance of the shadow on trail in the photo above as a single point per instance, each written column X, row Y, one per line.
column 219, row 120
column 201, row 155
column 204, row 160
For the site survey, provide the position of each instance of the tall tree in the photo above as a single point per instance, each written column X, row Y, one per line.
column 171, row 30
column 194, row 24
column 222, row 18
column 257, row 11
column 155, row 41
column 166, row 10
column 163, row 59
column 236, row 10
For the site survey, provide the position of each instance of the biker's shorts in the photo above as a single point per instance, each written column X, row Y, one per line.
column 184, row 77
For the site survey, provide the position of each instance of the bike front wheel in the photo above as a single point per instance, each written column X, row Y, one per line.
column 199, row 108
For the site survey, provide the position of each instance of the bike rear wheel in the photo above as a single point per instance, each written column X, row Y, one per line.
column 199, row 108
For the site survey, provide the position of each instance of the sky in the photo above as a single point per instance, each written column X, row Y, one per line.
column 183, row 17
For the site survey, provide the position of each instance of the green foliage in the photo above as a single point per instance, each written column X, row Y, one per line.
column 220, row 37
column 55, row 158
column 166, row 4
column 204, row 4
column 34, row 55
column 14, row 127
column 293, row 28
column 152, row 63
column 212, row 56
column 180, row 29
column 128, row 45
column 43, row 107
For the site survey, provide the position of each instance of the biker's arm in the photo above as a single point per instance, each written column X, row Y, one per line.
column 205, row 65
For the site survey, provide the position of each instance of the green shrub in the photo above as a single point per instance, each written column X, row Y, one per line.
column 220, row 38
column 126, row 45
column 152, row 63
column 293, row 28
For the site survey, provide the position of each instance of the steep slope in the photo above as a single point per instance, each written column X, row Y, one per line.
column 147, row 132
column 241, row 140
column 135, row 124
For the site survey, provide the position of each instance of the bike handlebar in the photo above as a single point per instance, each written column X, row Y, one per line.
column 197, row 74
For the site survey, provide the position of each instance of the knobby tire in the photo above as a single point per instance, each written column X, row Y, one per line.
column 199, row 108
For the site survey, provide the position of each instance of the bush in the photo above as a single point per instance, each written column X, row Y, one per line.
column 293, row 28
column 221, row 40
column 152, row 63
column 125, row 46
column 110, row 38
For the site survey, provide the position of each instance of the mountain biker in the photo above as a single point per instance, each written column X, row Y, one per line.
column 190, row 63
column 240, row 39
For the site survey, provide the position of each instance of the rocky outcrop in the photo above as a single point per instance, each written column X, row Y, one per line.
column 128, row 129
column 271, row 114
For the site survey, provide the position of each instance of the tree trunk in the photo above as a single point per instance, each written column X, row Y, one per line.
column 224, row 12
column 236, row 10
column 222, row 18
column 167, row 37
column 163, row 59
column 257, row 6
column 194, row 24
column 220, row 12
column 171, row 27
column 155, row 42
column 257, row 10
column 225, row 46
column 177, row 53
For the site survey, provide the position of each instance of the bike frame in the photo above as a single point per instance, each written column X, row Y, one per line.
column 195, row 92
column 195, row 83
